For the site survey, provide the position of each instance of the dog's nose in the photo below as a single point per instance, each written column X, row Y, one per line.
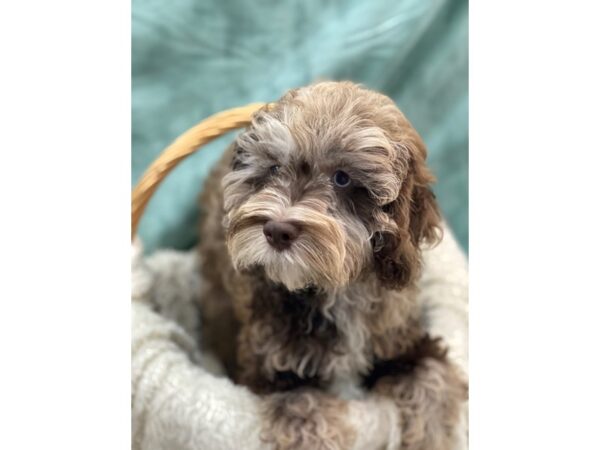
column 280, row 234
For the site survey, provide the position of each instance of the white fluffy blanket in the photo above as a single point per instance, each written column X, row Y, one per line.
column 179, row 401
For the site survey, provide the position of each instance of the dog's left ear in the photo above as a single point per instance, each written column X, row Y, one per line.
column 416, row 215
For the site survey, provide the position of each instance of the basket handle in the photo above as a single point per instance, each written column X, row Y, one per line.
column 186, row 144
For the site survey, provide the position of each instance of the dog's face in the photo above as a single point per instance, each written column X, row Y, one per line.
column 327, row 185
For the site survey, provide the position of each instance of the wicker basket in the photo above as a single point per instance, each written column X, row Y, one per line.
column 186, row 144
column 375, row 425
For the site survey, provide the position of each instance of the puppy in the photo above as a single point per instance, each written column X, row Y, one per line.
column 310, row 242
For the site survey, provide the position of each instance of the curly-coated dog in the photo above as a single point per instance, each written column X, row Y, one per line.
column 310, row 242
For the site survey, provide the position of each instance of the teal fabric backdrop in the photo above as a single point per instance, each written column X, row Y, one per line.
column 192, row 58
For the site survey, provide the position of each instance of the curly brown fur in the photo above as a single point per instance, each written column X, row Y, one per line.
column 428, row 392
column 306, row 419
column 338, row 308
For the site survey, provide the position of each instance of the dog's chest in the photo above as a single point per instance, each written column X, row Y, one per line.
column 318, row 337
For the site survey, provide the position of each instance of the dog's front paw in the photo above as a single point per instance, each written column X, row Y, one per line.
column 306, row 420
column 429, row 401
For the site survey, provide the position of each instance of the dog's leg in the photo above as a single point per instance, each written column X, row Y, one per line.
column 428, row 391
column 306, row 419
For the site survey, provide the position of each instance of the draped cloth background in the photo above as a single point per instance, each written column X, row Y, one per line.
column 192, row 58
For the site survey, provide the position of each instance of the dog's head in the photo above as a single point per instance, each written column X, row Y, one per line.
column 327, row 185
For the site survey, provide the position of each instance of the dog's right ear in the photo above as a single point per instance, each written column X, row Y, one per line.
column 417, row 219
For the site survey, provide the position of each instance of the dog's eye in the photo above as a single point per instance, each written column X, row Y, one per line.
column 341, row 179
column 274, row 170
